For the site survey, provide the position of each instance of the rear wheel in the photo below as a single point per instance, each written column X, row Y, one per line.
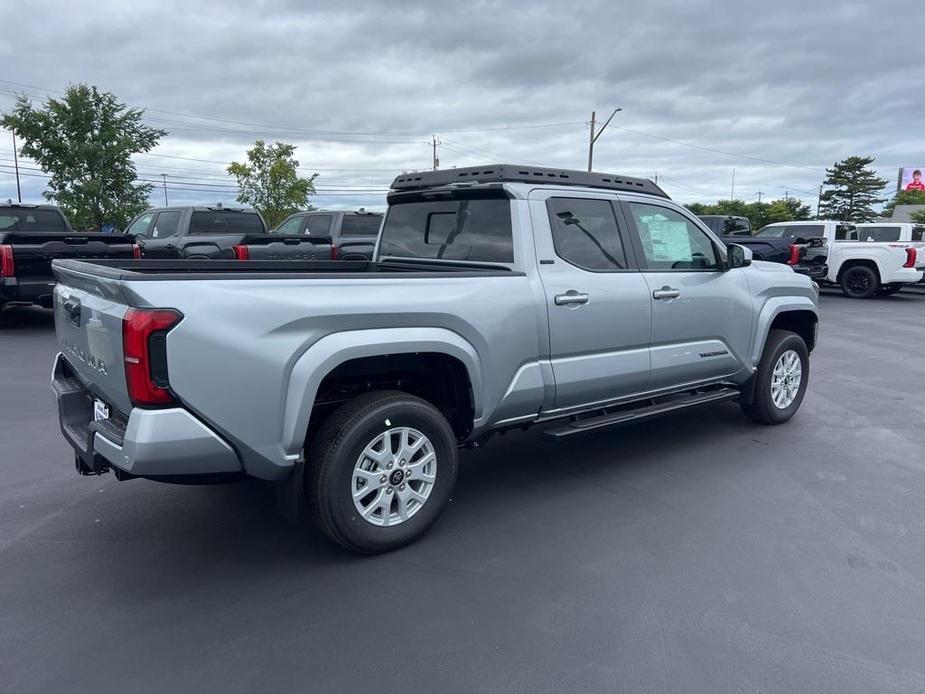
column 781, row 379
column 859, row 282
column 380, row 471
column 890, row 289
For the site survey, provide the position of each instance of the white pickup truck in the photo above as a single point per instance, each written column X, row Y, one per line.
column 861, row 268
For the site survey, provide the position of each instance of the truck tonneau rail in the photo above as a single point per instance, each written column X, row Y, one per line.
column 170, row 269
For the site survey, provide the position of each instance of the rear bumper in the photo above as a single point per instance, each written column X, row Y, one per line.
column 15, row 290
column 168, row 443
column 815, row 270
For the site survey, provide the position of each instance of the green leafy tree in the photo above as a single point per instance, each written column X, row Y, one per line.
column 86, row 141
column 918, row 217
column 904, row 197
column 853, row 190
column 270, row 183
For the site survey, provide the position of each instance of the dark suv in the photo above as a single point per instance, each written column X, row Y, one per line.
column 354, row 233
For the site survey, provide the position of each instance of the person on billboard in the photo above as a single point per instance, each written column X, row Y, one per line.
column 916, row 183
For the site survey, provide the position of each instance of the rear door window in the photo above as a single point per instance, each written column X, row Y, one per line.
column 584, row 233
column 878, row 233
column 470, row 228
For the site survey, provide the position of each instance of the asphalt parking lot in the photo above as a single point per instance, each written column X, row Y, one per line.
column 696, row 553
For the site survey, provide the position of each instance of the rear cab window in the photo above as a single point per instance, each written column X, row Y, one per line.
column 225, row 222
column 360, row 224
column 470, row 226
column 12, row 219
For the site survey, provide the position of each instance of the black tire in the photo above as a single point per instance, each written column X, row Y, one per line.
column 859, row 282
column 890, row 289
column 335, row 449
column 761, row 407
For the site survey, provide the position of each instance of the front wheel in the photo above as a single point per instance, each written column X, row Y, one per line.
column 380, row 471
column 781, row 379
column 859, row 282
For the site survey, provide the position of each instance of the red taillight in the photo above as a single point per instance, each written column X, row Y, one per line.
column 144, row 349
column 7, row 264
column 136, row 251
column 794, row 258
column 333, row 252
column 910, row 257
column 241, row 252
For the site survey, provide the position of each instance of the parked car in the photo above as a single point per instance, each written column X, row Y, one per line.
column 354, row 233
column 727, row 225
column 500, row 297
column 209, row 233
column 777, row 243
column 860, row 268
column 31, row 236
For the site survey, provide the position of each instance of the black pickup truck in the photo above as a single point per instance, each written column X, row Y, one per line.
column 354, row 234
column 31, row 236
column 220, row 233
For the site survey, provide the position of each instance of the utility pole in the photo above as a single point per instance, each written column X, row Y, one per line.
column 436, row 160
column 732, row 195
column 819, row 202
column 16, row 165
column 593, row 136
column 164, row 176
column 759, row 197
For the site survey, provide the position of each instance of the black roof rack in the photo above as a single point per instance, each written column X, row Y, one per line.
column 509, row 173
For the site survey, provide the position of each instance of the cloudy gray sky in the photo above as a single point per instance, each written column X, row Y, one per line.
column 776, row 90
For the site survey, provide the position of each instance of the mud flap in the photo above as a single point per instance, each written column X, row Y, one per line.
column 290, row 494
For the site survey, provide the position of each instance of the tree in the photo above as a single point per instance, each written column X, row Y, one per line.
column 918, row 217
column 86, row 141
column 269, row 181
column 854, row 190
column 904, row 197
column 759, row 213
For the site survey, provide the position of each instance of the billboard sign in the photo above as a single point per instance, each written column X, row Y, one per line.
column 911, row 178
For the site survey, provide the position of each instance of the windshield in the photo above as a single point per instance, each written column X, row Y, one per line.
column 226, row 222
column 12, row 219
column 476, row 229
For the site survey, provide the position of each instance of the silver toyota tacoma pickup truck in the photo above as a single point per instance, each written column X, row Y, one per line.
column 499, row 297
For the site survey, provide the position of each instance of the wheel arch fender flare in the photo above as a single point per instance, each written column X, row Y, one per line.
column 773, row 308
column 312, row 366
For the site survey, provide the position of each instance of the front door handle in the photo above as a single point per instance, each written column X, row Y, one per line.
column 572, row 298
column 666, row 292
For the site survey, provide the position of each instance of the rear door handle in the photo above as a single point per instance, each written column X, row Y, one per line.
column 666, row 292
column 572, row 298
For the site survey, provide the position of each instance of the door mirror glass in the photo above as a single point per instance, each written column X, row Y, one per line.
column 738, row 256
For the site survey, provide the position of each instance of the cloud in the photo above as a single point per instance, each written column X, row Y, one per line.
column 361, row 86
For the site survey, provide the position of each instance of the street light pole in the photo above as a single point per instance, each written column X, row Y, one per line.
column 164, row 176
column 16, row 166
column 593, row 136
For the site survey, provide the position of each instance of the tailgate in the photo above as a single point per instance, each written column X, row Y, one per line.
column 88, row 325
column 33, row 252
column 277, row 247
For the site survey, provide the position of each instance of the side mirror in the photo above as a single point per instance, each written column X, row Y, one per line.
column 738, row 256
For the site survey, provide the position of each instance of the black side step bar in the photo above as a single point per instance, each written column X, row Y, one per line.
column 675, row 404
